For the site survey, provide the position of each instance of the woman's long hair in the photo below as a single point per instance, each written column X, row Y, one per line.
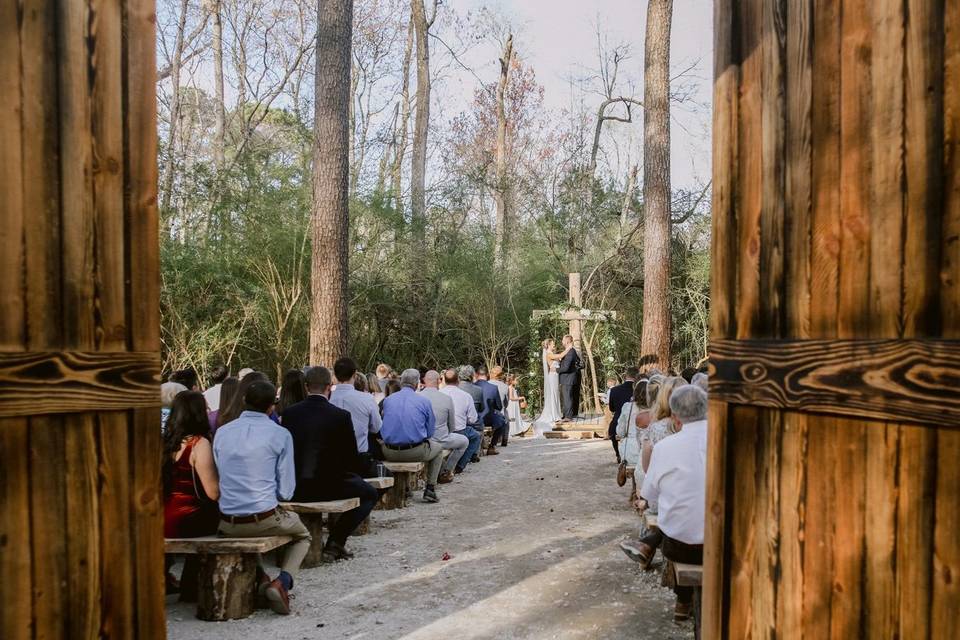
column 640, row 394
column 232, row 411
column 188, row 417
column 228, row 391
column 292, row 390
column 360, row 382
column 661, row 408
column 373, row 385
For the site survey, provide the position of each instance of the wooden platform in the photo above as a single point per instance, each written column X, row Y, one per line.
column 570, row 435
column 595, row 425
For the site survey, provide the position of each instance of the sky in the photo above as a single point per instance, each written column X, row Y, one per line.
column 558, row 38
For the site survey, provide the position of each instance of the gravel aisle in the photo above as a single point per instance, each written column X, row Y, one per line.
column 532, row 535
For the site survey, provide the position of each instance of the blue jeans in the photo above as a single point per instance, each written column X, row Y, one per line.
column 474, row 437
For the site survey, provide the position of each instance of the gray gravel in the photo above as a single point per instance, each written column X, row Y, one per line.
column 532, row 535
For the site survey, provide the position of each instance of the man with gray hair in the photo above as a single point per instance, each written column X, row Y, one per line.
column 676, row 484
column 467, row 374
column 701, row 380
column 408, row 425
column 444, row 436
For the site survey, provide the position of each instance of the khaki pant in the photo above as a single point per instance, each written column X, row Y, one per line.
column 431, row 455
column 281, row 523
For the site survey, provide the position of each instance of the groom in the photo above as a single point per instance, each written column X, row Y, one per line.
column 569, row 372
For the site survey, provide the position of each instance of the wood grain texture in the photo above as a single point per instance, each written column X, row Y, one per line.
column 15, row 588
column 214, row 544
column 72, row 381
column 329, row 506
column 912, row 381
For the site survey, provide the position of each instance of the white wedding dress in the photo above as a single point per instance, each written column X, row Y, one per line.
column 551, row 397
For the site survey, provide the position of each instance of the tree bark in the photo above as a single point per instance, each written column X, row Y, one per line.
column 220, row 118
column 500, row 192
column 655, row 337
column 331, row 173
column 404, row 130
column 174, row 130
column 421, row 123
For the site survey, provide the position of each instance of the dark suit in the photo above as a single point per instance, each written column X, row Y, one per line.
column 493, row 405
column 570, row 383
column 617, row 398
column 327, row 462
column 477, row 394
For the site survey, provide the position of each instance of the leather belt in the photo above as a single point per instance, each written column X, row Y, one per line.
column 256, row 517
column 403, row 447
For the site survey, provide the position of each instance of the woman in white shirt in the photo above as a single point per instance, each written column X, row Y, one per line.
column 634, row 418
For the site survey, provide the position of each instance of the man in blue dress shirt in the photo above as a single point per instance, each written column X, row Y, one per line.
column 254, row 457
column 363, row 409
column 408, row 425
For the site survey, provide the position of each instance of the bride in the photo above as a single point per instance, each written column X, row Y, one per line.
column 551, row 389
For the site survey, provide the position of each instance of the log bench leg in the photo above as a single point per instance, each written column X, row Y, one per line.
column 697, row 595
column 485, row 442
column 226, row 584
column 314, row 524
column 396, row 496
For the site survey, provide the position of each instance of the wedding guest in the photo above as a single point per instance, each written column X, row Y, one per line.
column 293, row 389
column 701, row 380
column 408, row 425
column 515, row 409
column 374, row 388
column 168, row 391
column 383, row 374
column 633, row 419
column 569, row 370
column 464, row 416
column 363, row 410
column 244, row 372
column 467, row 375
column 190, row 483
column 255, row 458
column 496, row 379
column 187, row 377
column 212, row 394
column 233, row 410
column 493, row 417
column 446, row 423
column 661, row 419
column 676, row 483
column 618, row 397
column 360, row 382
column 327, row 462
column 228, row 394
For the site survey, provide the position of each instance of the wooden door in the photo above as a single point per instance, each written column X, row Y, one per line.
column 81, row 548
column 833, row 506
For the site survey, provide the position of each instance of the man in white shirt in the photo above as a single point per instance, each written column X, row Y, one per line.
column 676, row 484
column 443, row 409
column 363, row 410
column 212, row 395
column 464, row 414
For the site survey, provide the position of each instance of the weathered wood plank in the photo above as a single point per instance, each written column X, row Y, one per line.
column 946, row 543
column 329, row 506
column 115, row 534
column 73, row 381
column 913, row 381
column 379, row 483
column 821, row 504
column 880, row 584
column 15, row 541
column 404, row 467
column 688, row 575
column 743, row 523
column 950, row 238
column 766, row 560
column 146, row 508
column 792, row 516
column 214, row 544
column 716, row 542
column 84, row 589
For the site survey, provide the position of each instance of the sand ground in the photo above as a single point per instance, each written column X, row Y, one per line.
column 532, row 536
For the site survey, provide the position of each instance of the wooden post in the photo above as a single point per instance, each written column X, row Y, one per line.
column 314, row 524
column 226, row 586
column 576, row 328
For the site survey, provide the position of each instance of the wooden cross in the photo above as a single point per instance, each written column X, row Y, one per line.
column 576, row 316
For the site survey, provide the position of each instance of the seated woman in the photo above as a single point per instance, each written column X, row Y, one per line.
column 633, row 419
column 228, row 391
column 190, row 482
column 292, row 391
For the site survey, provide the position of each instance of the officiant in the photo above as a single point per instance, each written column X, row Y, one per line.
column 569, row 370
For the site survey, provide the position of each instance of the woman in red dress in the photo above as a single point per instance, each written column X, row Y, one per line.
column 190, row 482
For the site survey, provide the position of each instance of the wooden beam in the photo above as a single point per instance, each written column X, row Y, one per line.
column 46, row 382
column 912, row 381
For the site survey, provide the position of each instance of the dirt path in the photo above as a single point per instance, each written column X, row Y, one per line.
column 532, row 536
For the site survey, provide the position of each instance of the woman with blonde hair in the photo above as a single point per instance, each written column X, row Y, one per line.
column 661, row 418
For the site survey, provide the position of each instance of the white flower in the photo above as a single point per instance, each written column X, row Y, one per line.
column 585, row 312
column 609, row 358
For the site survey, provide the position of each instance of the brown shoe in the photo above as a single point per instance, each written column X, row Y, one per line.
column 640, row 552
column 278, row 598
column 682, row 610
column 262, row 581
column 492, row 452
column 445, row 477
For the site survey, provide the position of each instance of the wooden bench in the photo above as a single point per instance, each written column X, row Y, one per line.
column 650, row 519
column 311, row 514
column 364, row 527
column 486, row 440
column 404, row 479
column 226, row 587
column 690, row 575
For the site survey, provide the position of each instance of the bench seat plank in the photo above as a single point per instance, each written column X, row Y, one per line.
column 216, row 544
column 404, row 467
column 379, row 483
column 688, row 575
column 329, row 506
column 650, row 519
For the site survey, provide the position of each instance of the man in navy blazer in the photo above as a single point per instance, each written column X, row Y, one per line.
column 619, row 396
column 569, row 371
column 493, row 417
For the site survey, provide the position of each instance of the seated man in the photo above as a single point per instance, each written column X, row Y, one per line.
column 408, row 425
column 363, row 410
column 467, row 376
column 326, row 460
column 444, row 436
column 494, row 415
column 464, row 415
column 254, row 456
column 676, row 483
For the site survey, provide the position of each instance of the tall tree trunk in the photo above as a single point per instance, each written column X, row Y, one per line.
column 404, row 130
column 500, row 192
column 173, row 133
column 421, row 122
column 220, row 117
column 331, row 173
column 655, row 339
column 628, row 199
